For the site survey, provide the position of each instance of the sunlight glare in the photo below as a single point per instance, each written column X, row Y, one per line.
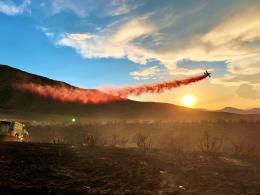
column 189, row 101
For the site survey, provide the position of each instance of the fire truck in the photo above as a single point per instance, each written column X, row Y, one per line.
column 13, row 131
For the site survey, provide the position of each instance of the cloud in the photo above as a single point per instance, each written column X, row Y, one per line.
column 247, row 91
column 120, row 7
column 232, row 39
column 237, row 79
column 114, row 42
column 228, row 80
column 188, row 71
column 80, row 8
column 46, row 31
column 158, row 35
column 8, row 7
column 244, row 70
column 241, row 27
column 80, row 37
column 145, row 73
column 246, row 65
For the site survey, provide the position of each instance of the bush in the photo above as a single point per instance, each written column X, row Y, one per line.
column 122, row 142
column 142, row 141
column 56, row 138
column 114, row 141
column 90, row 140
column 210, row 144
column 244, row 150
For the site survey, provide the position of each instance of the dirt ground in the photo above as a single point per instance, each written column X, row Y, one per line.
column 29, row 168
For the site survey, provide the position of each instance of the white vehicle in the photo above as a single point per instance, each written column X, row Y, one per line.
column 13, row 131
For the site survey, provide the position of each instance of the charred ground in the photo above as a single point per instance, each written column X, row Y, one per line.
column 61, row 169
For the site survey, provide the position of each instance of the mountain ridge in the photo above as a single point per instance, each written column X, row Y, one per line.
column 28, row 102
column 240, row 111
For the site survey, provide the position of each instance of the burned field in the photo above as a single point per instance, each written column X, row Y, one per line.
column 133, row 157
column 35, row 168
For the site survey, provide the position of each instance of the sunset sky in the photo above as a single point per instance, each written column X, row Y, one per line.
column 97, row 43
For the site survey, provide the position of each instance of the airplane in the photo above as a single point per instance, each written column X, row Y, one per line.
column 207, row 74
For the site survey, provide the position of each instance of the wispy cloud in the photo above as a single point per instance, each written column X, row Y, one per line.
column 79, row 8
column 80, row 37
column 8, row 7
column 247, row 91
column 145, row 73
column 119, row 7
column 46, row 31
column 102, row 7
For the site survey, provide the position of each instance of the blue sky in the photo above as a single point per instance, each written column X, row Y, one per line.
column 93, row 43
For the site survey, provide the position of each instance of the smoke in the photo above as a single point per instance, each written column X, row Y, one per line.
column 66, row 93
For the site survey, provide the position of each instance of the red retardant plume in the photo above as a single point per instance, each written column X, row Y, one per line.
column 153, row 88
column 71, row 94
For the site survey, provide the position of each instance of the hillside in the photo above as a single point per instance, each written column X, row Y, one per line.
column 16, row 102
column 240, row 111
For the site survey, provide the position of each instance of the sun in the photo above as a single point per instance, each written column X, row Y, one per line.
column 189, row 100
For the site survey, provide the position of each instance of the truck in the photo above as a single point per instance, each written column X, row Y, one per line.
column 13, row 131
